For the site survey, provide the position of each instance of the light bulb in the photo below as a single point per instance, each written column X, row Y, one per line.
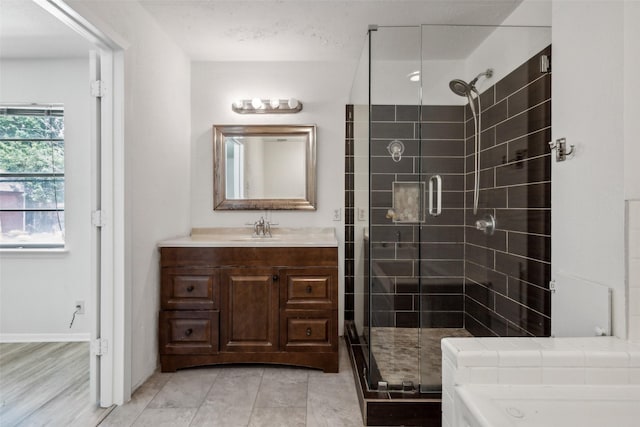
column 275, row 103
column 238, row 103
column 293, row 103
column 256, row 103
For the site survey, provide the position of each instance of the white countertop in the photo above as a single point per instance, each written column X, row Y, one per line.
column 225, row 237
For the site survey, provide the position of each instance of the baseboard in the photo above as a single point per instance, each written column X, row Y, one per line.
column 14, row 338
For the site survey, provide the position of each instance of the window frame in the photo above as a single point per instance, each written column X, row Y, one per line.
column 38, row 110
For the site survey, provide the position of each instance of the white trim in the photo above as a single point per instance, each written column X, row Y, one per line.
column 16, row 338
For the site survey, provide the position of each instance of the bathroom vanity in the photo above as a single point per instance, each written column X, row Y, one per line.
column 228, row 297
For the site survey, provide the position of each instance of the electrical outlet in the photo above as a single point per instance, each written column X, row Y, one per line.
column 362, row 214
column 337, row 214
column 80, row 307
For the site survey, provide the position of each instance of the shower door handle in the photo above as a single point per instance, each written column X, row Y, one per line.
column 435, row 211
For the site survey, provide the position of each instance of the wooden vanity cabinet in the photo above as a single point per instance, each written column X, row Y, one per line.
column 249, row 305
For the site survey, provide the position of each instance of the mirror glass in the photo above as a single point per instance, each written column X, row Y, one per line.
column 264, row 167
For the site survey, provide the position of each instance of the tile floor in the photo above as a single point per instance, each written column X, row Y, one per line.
column 254, row 395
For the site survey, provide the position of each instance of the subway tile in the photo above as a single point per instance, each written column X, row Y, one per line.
column 444, row 165
column 407, row 319
column 442, row 319
column 487, row 179
column 479, row 255
column 489, row 318
column 443, row 148
column 442, row 268
column 382, row 302
column 493, row 157
column 492, row 198
column 442, row 113
column 524, row 172
column 530, row 196
column 392, row 130
column 529, row 270
column 520, row 375
column 382, row 319
column 533, row 322
column 407, row 285
column 383, row 113
column 606, row 376
column 441, row 130
column 488, row 97
column 442, row 250
column 392, row 233
column 487, row 138
column 406, row 250
column 394, row 268
column 383, row 181
column 383, row 250
column 516, row 331
column 527, row 122
column 407, row 113
column 381, row 199
column 531, row 246
column 567, row 375
column 435, row 302
column 533, row 145
column 441, row 285
column 536, row 221
column 534, row 297
column 447, row 217
column 497, row 241
column 452, row 199
column 403, row 303
column 479, row 293
column 493, row 280
column 442, row 234
column 521, row 76
column 382, row 284
column 476, row 328
column 387, row 165
column 494, row 114
column 450, row 182
column 531, row 95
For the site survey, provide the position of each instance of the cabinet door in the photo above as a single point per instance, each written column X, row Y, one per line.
column 309, row 288
column 249, row 312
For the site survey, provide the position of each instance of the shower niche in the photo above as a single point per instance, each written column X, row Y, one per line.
column 474, row 126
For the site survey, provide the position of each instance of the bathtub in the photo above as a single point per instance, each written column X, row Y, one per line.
column 547, row 405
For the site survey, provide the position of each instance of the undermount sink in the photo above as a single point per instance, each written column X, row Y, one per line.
column 242, row 237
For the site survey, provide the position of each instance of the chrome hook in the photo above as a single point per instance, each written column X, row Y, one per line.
column 396, row 148
column 560, row 145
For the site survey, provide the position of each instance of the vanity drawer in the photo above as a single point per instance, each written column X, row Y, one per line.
column 306, row 330
column 190, row 289
column 189, row 332
column 309, row 288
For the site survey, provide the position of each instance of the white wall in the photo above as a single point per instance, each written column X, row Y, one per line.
column 322, row 88
column 157, row 162
column 588, row 207
column 38, row 291
column 631, row 100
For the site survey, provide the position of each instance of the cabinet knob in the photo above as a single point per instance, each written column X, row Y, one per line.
column 188, row 332
column 308, row 332
column 190, row 288
column 309, row 289
column 275, row 277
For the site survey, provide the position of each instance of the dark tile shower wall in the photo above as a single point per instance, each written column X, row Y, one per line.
column 507, row 275
column 434, row 144
column 348, row 216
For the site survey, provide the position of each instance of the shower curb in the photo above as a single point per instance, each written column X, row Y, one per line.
column 389, row 408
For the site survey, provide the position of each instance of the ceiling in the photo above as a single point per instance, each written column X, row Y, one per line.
column 263, row 30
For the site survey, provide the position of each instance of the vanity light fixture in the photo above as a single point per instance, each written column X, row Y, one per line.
column 414, row 76
column 266, row 106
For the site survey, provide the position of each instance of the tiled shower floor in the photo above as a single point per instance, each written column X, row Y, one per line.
column 399, row 358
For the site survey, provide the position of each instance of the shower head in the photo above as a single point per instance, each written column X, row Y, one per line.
column 462, row 88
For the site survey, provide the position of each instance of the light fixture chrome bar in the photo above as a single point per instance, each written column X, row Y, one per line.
column 267, row 106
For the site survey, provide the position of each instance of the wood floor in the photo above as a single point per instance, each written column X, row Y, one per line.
column 46, row 384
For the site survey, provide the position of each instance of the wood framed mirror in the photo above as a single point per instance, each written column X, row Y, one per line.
column 258, row 167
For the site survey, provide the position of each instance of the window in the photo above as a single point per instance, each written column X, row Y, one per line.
column 31, row 176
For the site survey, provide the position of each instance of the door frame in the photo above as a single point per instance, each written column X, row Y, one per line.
column 112, row 384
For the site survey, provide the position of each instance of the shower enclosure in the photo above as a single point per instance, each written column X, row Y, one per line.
column 451, row 194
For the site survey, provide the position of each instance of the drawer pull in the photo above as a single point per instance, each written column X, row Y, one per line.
column 308, row 332
column 190, row 288
column 275, row 277
column 309, row 289
column 188, row 332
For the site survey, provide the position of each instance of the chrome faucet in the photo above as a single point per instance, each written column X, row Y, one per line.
column 262, row 228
